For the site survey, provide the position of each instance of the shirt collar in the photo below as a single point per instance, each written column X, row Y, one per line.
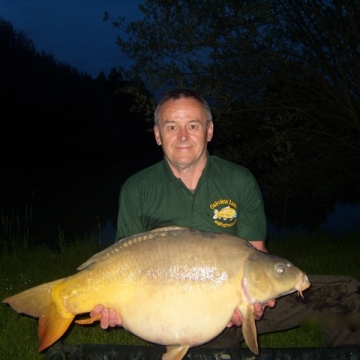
column 209, row 170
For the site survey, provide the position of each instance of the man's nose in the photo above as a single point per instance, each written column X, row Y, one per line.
column 184, row 135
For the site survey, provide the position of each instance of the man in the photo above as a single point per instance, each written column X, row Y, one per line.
column 192, row 189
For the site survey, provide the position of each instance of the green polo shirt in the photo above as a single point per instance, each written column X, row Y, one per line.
column 226, row 199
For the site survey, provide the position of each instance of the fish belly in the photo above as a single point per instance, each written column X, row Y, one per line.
column 179, row 313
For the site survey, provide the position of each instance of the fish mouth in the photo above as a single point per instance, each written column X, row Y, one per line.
column 302, row 285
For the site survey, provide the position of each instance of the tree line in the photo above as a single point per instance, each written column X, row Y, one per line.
column 68, row 140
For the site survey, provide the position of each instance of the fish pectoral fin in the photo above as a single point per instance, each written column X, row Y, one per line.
column 175, row 352
column 89, row 320
column 249, row 329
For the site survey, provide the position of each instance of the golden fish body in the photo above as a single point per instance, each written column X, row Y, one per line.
column 171, row 286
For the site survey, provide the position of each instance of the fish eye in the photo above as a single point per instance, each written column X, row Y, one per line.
column 280, row 269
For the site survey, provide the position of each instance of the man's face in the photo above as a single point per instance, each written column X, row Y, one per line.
column 183, row 132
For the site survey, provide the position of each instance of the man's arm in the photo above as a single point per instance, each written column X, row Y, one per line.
column 259, row 244
column 129, row 215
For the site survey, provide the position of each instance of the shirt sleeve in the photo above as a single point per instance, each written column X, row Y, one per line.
column 129, row 216
column 251, row 224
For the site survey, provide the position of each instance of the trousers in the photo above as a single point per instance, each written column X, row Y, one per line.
column 332, row 302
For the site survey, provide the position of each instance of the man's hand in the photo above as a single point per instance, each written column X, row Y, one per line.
column 258, row 311
column 108, row 316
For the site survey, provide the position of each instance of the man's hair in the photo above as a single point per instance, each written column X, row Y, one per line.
column 183, row 94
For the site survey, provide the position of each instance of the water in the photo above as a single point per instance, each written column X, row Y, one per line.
column 345, row 218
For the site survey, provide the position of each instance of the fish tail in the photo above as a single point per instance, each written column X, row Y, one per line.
column 38, row 302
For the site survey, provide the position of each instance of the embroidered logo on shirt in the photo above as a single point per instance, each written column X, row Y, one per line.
column 224, row 216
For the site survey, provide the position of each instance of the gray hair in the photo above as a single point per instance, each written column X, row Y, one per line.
column 183, row 94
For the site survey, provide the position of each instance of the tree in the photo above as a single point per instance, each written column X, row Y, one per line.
column 70, row 139
column 282, row 76
column 319, row 48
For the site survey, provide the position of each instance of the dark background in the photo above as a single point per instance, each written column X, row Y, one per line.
column 69, row 140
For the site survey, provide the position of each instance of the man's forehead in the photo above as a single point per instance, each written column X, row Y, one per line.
column 187, row 121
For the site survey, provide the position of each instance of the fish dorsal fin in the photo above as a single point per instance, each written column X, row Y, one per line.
column 169, row 228
column 124, row 243
column 249, row 328
column 175, row 352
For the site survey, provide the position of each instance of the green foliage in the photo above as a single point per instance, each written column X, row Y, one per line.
column 24, row 268
column 282, row 76
column 72, row 138
column 63, row 118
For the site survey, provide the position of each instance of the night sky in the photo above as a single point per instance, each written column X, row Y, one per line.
column 73, row 30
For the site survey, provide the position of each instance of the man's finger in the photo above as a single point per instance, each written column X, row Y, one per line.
column 96, row 311
column 104, row 322
column 114, row 318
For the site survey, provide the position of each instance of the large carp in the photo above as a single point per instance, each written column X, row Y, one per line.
column 172, row 286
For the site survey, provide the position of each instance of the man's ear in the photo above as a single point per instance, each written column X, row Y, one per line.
column 157, row 135
column 210, row 131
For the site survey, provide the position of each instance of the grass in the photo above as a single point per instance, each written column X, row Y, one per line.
column 15, row 228
column 22, row 268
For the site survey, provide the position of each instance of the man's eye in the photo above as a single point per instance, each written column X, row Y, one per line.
column 171, row 127
column 193, row 127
